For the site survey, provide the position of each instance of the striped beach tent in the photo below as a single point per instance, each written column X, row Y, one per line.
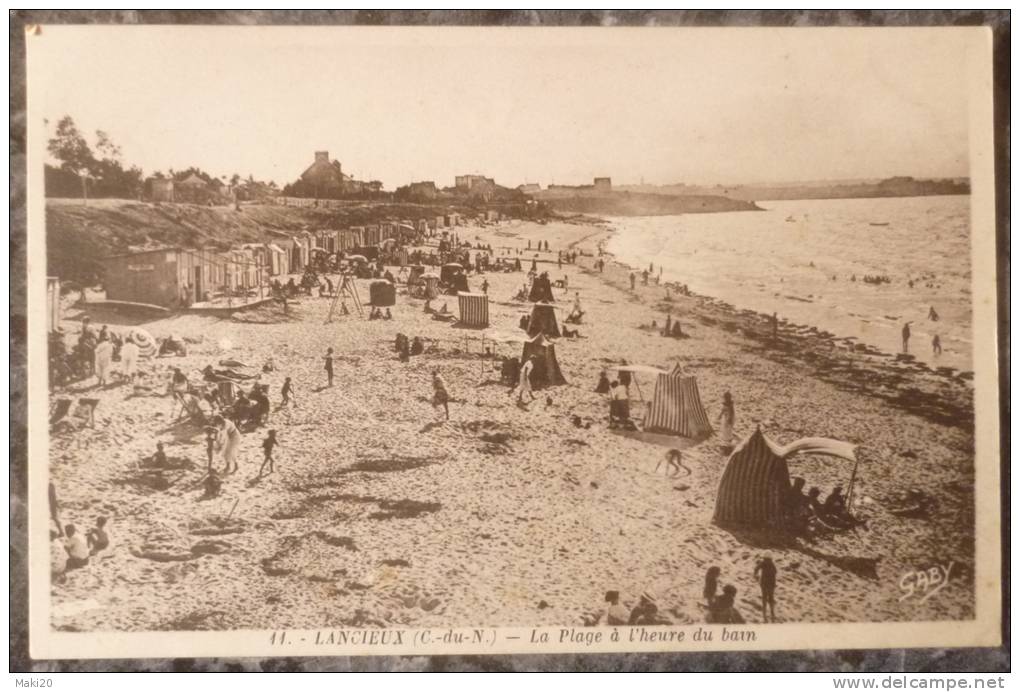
column 676, row 407
column 755, row 488
column 474, row 309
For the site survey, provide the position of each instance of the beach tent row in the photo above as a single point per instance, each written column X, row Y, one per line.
column 755, row 488
column 346, row 239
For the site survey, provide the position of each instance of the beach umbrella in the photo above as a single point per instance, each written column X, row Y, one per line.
column 144, row 340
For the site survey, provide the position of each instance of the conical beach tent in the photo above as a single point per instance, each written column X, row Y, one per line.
column 676, row 406
column 547, row 369
column 543, row 321
column 755, row 487
column 474, row 309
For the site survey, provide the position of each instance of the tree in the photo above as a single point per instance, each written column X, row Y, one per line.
column 70, row 148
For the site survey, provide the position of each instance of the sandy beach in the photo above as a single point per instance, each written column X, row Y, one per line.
column 383, row 514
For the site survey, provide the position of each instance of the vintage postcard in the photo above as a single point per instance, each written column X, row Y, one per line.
column 439, row 340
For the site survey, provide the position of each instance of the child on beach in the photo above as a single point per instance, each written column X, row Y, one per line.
column 765, row 575
column 728, row 417
column 616, row 613
column 524, row 385
column 268, row 445
column 210, row 445
column 287, row 391
column 329, row 366
column 440, row 397
column 159, row 458
column 711, row 585
column 97, row 538
column 77, row 550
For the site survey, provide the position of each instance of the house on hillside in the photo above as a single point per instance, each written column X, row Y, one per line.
column 325, row 179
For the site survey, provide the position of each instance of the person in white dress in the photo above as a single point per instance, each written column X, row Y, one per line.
column 524, row 386
column 129, row 358
column 103, row 359
column 229, row 441
column 727, row 417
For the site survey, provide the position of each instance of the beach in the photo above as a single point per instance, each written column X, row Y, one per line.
column 383, row 514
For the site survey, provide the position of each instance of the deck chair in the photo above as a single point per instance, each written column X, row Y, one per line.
column 60, row 409
column 190, row 407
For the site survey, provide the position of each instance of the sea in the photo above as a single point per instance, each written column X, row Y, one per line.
column 800, row 259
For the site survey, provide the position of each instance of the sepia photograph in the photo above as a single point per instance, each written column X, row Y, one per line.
column 387, row 340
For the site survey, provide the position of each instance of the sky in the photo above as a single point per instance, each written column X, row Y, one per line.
column 662, row 105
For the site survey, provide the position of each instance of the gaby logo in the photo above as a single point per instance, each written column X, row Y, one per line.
column 925, row 583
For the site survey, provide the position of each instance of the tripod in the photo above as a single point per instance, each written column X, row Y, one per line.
column 346, row 288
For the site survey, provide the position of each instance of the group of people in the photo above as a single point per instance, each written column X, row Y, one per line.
column 721, row 606
column 79, row 547
column 812, row 515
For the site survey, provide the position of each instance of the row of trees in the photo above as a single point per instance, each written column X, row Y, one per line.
column 97, row 170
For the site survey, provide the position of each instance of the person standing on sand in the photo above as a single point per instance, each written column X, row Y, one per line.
column 728, row 416
column 624, row 377
column 524, row 384
column 229, row 440
column 765, row 575
column 633, row 279
column 268, row 445
column 936, row 345
column 287, row 391
column 906, row 337
column 711, row 589
column 129, row 358
column 329, row 367
column 210, row 446
column 440, row 395
column 103, row 359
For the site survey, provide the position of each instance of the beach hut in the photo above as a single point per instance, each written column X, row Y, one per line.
column 474, row 309
column 547, row 371
column 755, row 488
column 676, row 407
column 382, row 294
column 449, row 271
column 543, row 321
column 429, row 283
